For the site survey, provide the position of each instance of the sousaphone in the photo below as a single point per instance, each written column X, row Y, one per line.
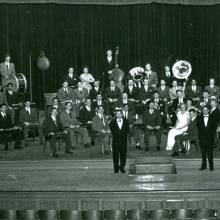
column 182, row 69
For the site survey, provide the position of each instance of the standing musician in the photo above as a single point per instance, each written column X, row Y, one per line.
column 151, row 75
column 28, row 118
column 108, row 66
column 71, row 78
column 8, row 131
column 119, row 127
column 163, row 91
column 6, row 69
column 100, row 126
column 53, row 129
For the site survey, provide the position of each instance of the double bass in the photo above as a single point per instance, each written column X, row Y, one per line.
column 117, row 74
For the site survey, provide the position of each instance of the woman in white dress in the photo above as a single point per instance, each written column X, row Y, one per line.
column 86, row 78
column 180, row 127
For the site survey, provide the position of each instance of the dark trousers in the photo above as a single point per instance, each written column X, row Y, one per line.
column 179, row 139
column 119, row 151
column 53, row 138
column 35, row 128
column 13, row 135
column 149, row 132
column 206, row 147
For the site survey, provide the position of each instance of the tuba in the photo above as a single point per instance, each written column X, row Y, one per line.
column 182, row 69
column 136, row 74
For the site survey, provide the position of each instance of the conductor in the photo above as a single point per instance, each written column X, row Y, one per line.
column 119, row 127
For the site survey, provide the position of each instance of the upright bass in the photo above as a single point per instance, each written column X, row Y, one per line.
column 116, row 73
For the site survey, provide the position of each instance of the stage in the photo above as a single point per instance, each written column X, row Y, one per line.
column 91, row 184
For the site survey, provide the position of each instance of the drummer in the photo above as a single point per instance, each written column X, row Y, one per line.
column 7, row 68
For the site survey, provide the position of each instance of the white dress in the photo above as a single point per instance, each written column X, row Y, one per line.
column 86, row 79
column 180, row 127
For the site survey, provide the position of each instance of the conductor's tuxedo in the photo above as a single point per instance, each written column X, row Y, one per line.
column 206, row 135
column 119, row 143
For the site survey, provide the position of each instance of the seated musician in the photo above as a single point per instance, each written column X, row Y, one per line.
column 190, row 134
column 160, row 105
column 193, row 92
column 100, row 125
column 131, row 90
column 152, row 123
column 123, row 100
column 3, row 99
column 180, row 99
column 86, row 78
column 173, row 90
column 146, row 92
column 11, row 97
column 28, row 118
column 135, row 129
column 8, row 131
column 86, row 114
column 205, row 100
column 65, row 93
column 112, row 94
column 55, row 104
column 53, row 129
column 71, row 78
column 212, row 89
column 95, row 90
column 79, row 95
column 70, row 123
column 163, row 91
column 99, row 101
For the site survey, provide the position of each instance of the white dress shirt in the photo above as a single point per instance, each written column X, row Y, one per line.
column 120, row 123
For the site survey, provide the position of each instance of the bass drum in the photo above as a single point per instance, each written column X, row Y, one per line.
column 19, row 82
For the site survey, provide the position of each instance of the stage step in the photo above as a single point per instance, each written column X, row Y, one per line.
column 159, row 166
column 151, row 178
column 153, row 160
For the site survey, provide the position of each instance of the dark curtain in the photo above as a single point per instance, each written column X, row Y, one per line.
column 79, row 35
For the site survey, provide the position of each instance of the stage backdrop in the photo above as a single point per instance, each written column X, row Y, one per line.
column 80, row 34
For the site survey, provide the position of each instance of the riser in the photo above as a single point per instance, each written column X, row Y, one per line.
column 155, row 168
column 153, row 160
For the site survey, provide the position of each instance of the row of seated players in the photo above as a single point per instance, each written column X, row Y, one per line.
column 136, row 97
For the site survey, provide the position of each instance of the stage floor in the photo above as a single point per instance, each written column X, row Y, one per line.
column 97, row 176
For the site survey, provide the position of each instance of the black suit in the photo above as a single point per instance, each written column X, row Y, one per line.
column 6, row 136
column 50, row 126
column 206, row 139
column 93, row 93
column 119, row 143
column 72, row 81
column 106, row 67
